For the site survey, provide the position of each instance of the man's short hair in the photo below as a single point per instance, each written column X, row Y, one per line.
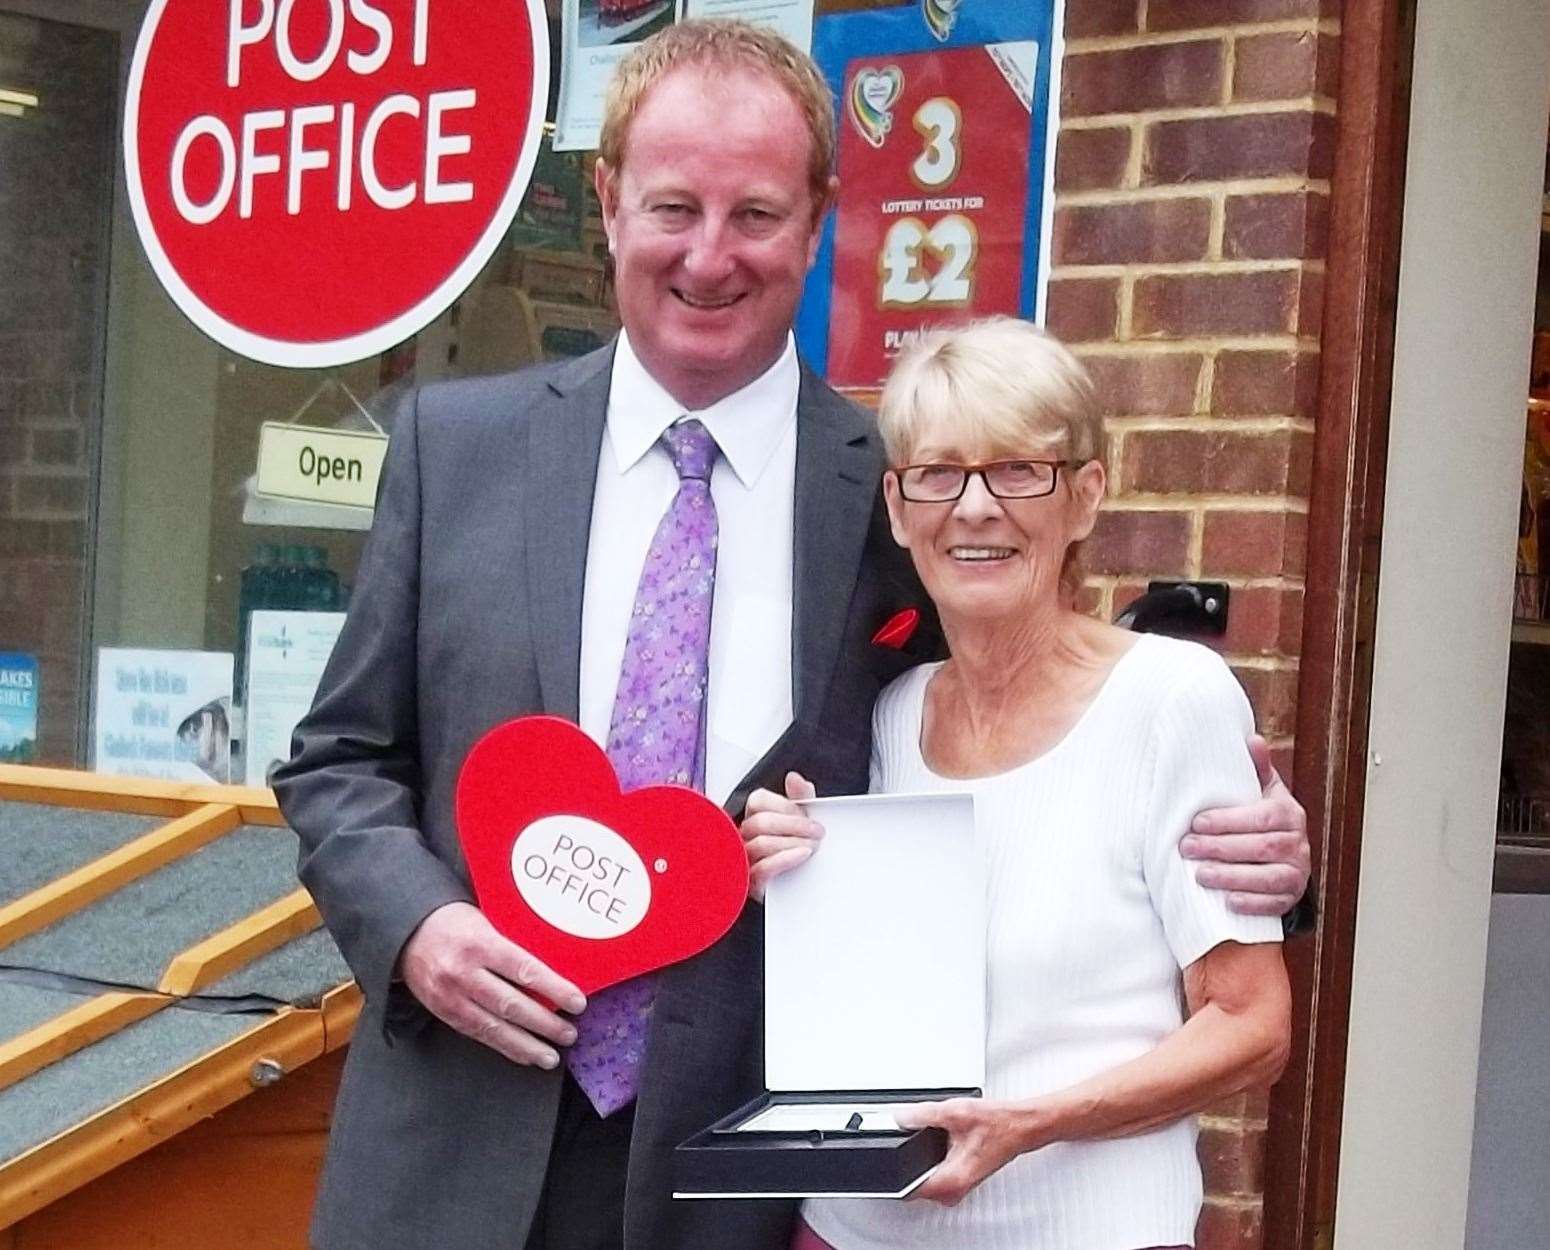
column 723, row 45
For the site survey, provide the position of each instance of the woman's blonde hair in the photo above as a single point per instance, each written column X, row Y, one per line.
column 1004, row 386
column 722, row 44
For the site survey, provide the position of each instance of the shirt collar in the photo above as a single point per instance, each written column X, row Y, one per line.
column 748, row 424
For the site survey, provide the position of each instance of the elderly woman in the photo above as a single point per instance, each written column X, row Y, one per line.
column 1088, row 750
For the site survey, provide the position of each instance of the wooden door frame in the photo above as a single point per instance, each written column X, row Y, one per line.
column 1344, row 531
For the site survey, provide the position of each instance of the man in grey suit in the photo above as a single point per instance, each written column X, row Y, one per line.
column 500, row 579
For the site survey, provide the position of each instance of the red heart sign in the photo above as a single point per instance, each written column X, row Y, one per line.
column 602, row 886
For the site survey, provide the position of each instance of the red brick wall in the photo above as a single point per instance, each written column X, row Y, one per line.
column 1192, row 188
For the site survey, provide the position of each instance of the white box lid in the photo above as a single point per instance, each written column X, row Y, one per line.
column 874, row 962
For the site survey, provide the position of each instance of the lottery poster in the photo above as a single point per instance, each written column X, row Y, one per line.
column 943, row 120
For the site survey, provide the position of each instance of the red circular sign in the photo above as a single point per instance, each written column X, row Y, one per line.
column 316, row 180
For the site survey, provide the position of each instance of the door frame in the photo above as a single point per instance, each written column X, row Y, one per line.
column 1345, row 520
column 1363, row 1010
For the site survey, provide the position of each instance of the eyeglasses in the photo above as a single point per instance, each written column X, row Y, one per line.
column 1005, row 479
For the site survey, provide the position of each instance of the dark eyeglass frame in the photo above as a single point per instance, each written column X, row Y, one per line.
column 982, row 471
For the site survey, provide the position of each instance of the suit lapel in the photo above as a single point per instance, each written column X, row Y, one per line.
column 565, row 438
column 836, row 486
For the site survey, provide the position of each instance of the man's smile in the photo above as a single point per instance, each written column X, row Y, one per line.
column 704, row 302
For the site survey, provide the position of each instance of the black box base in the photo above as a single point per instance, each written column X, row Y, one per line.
column 723, row 1162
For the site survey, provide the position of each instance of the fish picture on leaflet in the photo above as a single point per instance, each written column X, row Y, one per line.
column 204, row 739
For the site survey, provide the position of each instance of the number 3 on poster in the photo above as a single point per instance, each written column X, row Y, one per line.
column 930, row 221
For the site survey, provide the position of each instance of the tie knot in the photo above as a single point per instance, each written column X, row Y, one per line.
column 693, row 449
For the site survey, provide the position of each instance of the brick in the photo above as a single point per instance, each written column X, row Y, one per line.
column 1182, row 305
column 21, row 628
column 1229, row 1224
column 51, row 494
column 1088, row 18
column 1153, row 385
column 1273, row 694
column 1092, row 160
column 64, row 539
column 1133, row 80
column 57, row 582
column 1286, row 65
column 1083, row 309
column 1232, row 1160
column 1155, row 543
column 56, row 747
column 1117, row 234
column 56, row 447
column 1252, row 1104
column 1264, row 620
column 1290, row 225
column 1195, row 14
column 1213, row 461
column 49, row 355
column 1253, row 145
column 64, row 625
column 1282, row 759
column 1088, row 600
column 1253, row 544
column 1290, row 640
column 13, row 444
column 1265, row 384
column 49, row 401
column 1310, row 305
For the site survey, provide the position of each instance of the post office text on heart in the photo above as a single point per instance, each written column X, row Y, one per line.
column 580, row 876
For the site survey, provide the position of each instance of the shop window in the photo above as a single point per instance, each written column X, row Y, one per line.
column 138, row 548
column 142, row 558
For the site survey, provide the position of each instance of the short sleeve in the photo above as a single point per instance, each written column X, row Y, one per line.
column 1200, row 760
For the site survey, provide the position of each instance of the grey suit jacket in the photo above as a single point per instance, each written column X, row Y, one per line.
column 467, row 612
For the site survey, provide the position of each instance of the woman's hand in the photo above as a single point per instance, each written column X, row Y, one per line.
column 983, row 1137
column 776, row 835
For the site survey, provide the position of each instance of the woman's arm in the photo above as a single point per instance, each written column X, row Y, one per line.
column 1236, row 1038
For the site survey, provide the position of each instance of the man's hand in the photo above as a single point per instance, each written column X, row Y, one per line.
column 487, row 987
column 1258, row 853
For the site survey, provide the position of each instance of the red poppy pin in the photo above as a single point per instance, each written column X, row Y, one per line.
column 898, row 628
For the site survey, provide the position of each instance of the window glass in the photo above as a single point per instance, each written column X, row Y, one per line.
column 140, row 564
column 135, row 546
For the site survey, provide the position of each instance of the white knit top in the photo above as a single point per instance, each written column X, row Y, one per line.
column 1092, row 914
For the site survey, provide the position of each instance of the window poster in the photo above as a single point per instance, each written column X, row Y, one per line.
column 551, row 212
column 18, row 707
column 595, row 36
column 287, row 652
column 791, row 18
column 164, row 714
column 943, row 116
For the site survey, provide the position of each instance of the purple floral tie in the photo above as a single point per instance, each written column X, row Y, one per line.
column 657, row 733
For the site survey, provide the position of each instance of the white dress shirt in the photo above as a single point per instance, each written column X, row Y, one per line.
column 753, row 487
